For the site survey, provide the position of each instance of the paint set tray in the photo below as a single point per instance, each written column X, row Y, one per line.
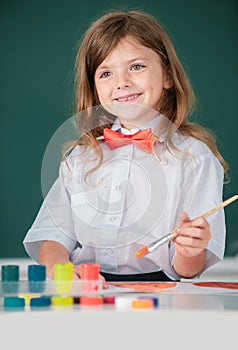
column 51, row 287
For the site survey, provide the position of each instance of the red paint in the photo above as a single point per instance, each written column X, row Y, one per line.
column 227, row 285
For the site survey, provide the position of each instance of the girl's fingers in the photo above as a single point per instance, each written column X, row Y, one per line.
column 183, row 218
column 76, row 275
column 193, row 235
column 188, row 252
column 195, row 232
column 193, row 227
column 104, row 283
column 199, row 222
column 192, row 242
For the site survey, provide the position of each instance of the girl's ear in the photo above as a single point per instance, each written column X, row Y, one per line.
column 168, row 81
column 168, row 84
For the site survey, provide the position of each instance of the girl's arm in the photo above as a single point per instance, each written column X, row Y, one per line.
column 51, row 253
column 191, row 243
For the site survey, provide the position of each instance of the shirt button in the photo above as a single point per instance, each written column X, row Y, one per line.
column 109, row 251
column 113, row 218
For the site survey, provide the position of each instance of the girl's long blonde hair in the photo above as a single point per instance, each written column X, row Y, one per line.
column 177, row 103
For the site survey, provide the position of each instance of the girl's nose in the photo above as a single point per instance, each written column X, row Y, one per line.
column 122, row 85
column 123, row 81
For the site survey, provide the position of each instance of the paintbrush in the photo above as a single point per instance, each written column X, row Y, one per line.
column 154, row 245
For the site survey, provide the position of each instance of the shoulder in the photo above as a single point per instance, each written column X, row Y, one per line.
column 192, row 146
column 72, row 161
column 79, row 155
column 196, row 149
column 82, row 159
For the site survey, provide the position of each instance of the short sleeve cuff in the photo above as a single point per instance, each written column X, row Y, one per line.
column 32, row 242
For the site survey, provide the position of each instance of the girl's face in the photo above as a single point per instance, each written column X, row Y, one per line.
column 131, row 74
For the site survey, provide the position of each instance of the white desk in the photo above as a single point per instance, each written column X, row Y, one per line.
column 107, row 329
column 182, row 321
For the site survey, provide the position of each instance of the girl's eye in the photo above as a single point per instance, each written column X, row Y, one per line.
column 137, row 67
column 105, row 74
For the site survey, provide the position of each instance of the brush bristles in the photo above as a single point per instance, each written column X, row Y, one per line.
column 142, row 252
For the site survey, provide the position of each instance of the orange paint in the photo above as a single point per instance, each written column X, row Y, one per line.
column 145, row 286
column 142, row 252
column 142, row 304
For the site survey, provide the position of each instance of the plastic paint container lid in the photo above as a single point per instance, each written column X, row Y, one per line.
column 58, row 300
column 43, row 301
column 91, row 301
column 154, row 299
column 63, row 272
column 36, row 272
column 123, row 302
column 10, row 273
column 89, row 272
column 142, row 304
column 109, row 300
column 14, row 303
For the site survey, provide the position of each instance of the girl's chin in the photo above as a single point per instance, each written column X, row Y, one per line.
column 129, row 111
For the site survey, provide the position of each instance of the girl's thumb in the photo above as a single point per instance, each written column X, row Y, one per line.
column 183, row 217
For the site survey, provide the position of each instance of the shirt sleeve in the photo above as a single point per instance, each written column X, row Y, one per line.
column 54, row 219
column 203, row 190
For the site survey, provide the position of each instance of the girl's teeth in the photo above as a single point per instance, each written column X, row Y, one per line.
column 127, row 98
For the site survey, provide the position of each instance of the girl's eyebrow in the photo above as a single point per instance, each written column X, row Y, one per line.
column 139, row 59
column 128, row 62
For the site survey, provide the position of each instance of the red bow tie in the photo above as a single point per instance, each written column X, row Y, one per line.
column 142, row 139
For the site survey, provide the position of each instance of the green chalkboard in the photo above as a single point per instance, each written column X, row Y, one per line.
column 38, row 47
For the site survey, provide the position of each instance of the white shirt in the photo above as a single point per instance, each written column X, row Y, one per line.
column 131, row 200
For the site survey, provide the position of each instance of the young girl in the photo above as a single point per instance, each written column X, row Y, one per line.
column 139, row 170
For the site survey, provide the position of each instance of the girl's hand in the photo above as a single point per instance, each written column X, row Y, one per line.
column 76, row 275
column 193, row 236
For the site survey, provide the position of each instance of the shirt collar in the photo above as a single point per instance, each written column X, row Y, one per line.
column 152, row 124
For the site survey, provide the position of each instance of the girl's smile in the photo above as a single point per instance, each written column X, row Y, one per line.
column 128, row 98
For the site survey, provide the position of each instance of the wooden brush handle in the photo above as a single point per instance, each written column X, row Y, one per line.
column 218, row 207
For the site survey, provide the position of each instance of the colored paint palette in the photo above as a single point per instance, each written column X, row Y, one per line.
column 63, row 283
